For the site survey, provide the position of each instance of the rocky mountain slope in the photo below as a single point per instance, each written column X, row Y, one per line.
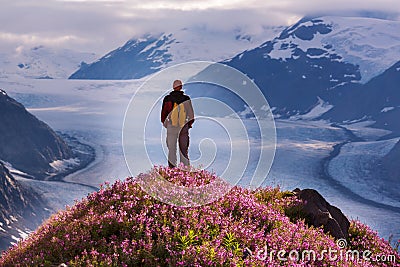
column 377, row 100
column 20, row 210
column 27, row 143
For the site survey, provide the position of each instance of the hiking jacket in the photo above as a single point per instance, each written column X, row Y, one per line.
column 177, row 97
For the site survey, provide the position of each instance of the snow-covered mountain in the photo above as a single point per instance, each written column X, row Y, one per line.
column 325, row 59
column 150, row 53
column 41, row 62
column 372, row 44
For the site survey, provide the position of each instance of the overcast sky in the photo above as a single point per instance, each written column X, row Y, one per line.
column 100, row 26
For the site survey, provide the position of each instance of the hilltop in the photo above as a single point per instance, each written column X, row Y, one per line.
column 121, row 225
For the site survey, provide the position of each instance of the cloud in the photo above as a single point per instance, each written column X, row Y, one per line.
column 102, row 25
column 33, row 39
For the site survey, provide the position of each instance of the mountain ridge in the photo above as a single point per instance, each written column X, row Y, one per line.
column 27, row 143
column 149, row 53
column 295, row 72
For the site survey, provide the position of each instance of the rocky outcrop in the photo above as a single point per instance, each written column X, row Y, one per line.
column 318, row 212
column 19, row 208
column 26, row 142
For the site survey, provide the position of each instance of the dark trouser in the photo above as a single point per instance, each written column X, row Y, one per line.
column 173, row 135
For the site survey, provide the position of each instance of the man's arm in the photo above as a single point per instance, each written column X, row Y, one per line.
column 166, row 109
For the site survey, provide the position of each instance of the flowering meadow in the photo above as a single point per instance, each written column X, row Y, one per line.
column 122, row 225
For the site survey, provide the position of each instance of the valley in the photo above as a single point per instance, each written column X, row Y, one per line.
column 93, row 112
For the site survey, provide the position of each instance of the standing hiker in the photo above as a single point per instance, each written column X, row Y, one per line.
column 177, row 116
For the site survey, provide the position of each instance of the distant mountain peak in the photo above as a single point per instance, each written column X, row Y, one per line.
column 135, row 59
column 371, row 44
column 151, row 52
column 338, row 59
column 41, row 62
column 307, row 29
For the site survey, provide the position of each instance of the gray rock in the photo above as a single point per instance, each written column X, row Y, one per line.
column 318, row 212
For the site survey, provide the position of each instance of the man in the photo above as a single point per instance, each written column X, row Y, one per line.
column 177, row 116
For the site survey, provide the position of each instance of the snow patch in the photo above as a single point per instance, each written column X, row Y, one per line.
column 318, row 56
column 280, row 53
column 386, row 109
column 373, row 44
column 338, row 85
column 15, row 171
column 150, row 46
column 65, row 164
column 22, row 234
column 317, row 111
